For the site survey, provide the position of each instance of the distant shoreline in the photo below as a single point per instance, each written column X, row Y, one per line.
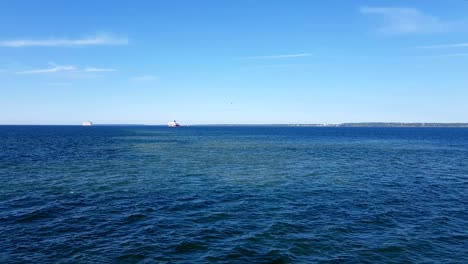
column 392, row 124
column 359, row 124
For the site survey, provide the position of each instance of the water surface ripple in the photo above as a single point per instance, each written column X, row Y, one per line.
column 233, row 195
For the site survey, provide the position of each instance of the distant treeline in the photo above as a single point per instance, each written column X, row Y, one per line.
column 385, row 124
column 397, row 124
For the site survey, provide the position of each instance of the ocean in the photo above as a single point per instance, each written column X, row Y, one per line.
column 239, row 194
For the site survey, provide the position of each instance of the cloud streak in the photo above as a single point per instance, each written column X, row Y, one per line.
column 65, row 68
column 454, row 55
column 92, row 69
column 59, row 84
column 281, row 56
column 445, row 46
column 407, row 21
column 97, row 40
column 49, row 70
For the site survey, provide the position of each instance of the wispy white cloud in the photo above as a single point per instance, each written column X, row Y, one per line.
column 59, row 84
column 147, row 77
column 279, row 66
column 64, row 68
column 53, row 69
column 453, row 55
column 102, row 39
column 281, row 56
column 443, row 46
column 407, row 21
column 92, row 69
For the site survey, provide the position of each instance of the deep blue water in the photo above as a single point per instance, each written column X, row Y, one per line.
column 71, row 194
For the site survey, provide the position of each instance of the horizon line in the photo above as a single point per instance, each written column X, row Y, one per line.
column 256, row 124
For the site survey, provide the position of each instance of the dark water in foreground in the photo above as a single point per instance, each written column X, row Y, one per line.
column 233, row 195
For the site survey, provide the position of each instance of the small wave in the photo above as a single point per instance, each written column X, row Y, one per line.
column 186, row 246
column 134, row 218
column 131, row 258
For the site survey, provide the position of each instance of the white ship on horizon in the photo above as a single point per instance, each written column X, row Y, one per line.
column 87, row 123
column 173, row 124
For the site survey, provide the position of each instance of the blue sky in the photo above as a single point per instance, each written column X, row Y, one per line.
column 250, row 62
